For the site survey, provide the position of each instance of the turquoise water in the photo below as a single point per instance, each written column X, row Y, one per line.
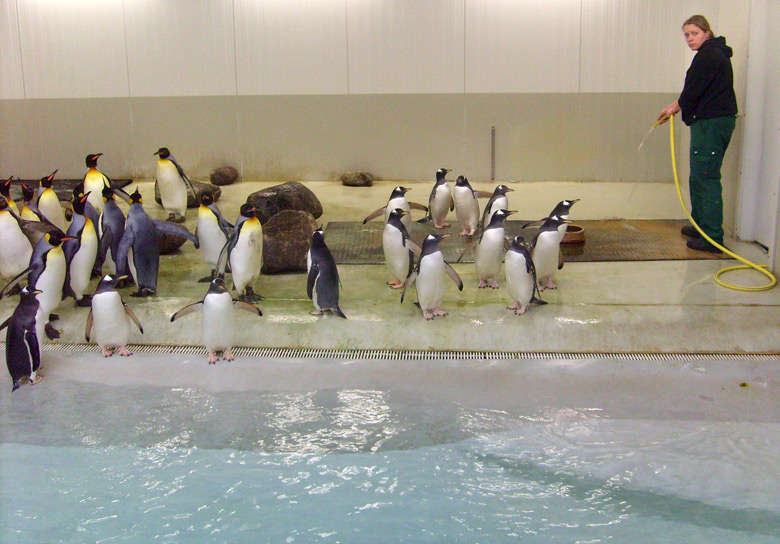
column 93, row 463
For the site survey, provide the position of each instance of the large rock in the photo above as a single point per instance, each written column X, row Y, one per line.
column 225, row 175
column 169, row 243
column 292, row 195
column 193, row 200
column 357, row 179
column 286, row 239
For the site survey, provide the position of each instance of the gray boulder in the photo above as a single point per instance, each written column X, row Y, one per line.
column 225, row 175
column 292, row 195
column 193, row 200
column 286, row 239
column 357, row 178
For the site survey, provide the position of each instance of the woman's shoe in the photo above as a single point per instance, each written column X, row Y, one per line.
column 700, row 244
column 690, row 232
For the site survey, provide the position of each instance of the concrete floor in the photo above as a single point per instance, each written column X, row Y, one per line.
column 663, row 306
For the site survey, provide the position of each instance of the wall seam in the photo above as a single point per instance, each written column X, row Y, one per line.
column 21, row 51
column 346, row 42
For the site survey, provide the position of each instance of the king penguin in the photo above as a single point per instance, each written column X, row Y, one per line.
column 545, row 251
column 430, row 278
column 22, row 349
column 213, row 232
column 15, row 248
column 466, row 206
column 498, row 201
column 521, row 277
column 218, row 319
column 29, row 209
column 440, row 201
column 244, row 254
column 49, row 203
column 81, row 252
column 109, row 318
column 398, row 248
column 139, row 248
column 173, row 184
column 490, row 251
column 94, row 182
column 397, row 201
column 111, row 228
column 323, row 281
column 5, row 190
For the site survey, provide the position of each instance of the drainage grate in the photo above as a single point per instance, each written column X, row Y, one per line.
column 406, row 355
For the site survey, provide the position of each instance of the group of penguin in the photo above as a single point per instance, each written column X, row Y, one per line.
column 528, row 269
column 59, row 255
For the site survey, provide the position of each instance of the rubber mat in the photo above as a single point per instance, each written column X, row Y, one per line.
column 352, row 242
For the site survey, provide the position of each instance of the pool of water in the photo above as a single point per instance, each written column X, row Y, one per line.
column 389, row 457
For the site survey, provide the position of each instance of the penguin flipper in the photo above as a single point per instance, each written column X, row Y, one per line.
column 122, row 267
column 413, row 247
column 453, row 276
column 409, row 281
column 13, row 282
column 183, row 176
column 131, row 314
column 452, row 203
column 89, row 326
column 336, row 310
column 5, row 323
column 418, row 206
column 483, row 194
column 469, row 247
column 188, row 309
column 374, row 214
column 560, row 257
column 314, row 271
column 251, row 308
column 166, row 227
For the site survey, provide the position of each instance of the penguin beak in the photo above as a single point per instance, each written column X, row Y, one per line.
column 84, row 197
column 51, row 176
column 508, row 190
column 404, row 212
column 407, row 189
column 446, row 234
column 510, row 212
column 122, row 277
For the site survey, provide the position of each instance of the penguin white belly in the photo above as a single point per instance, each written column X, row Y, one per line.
column 49, row 205
column 51, row 281
column 218, row 322
column 490, row 252
column 82, row 263
column 402, row 203
column 173, row 191
column 396, row 253
column 466, row 208
column 110, row 322
column 431, row 282
column 15, row 248
column 501, row 203
column 211, row 239
column 94, row 182
column 519, row 282
column 545, row 255
column 562, row 232
column 440, row 206
column 131, row 265
column 246, row 259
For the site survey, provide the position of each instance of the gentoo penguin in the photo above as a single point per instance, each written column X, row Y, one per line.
column 81, row 252
column 218, row 319
column 490, row 250
column 398, row 248
column 29, row 209
column 545, row 250
column 244, row 254
column 173, row 184
column 5, row 190
column 48, row 203
column 111, row 228
column 521, row 277
column 429, row 275
column 397, row 201
column 110, row 318
column 213, row 231
column 15, row 247
column 466, row 206
column 323, row 282
column 22, row 349
column 498, row 201
column 440, row 201
column 139, row 249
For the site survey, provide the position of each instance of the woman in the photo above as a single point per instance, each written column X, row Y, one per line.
column 709, row 107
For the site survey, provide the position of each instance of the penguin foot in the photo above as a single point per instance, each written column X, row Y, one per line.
column 213, row 357
column 548, row 285
column 107, row 352
column 493, row 284
column 143, row 292
column 427, row 315
column 442, row 225
column 250, row 296
column 316, row 312
column 482, row 284
column 517, row 308
column 124, row 352
column 51, row 332
column 438, row 312
column 467, row 232
column 85, row 301
column 175, row 218
column 228, row 355
column 36, row 379
column 396, row 284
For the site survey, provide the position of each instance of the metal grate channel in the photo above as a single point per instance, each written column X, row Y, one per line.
column 419, row 355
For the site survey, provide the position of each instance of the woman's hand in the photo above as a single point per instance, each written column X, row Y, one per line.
column 667, row 112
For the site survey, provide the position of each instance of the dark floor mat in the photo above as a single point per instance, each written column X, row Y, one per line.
column 352, row 242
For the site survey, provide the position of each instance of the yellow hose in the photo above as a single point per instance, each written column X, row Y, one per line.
column 748, row 265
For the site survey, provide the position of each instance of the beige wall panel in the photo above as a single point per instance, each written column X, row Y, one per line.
column 405, row 46
column 294, row 47
column 516, row 46
column 73, row 49
column 180, row 47
column 11, row 73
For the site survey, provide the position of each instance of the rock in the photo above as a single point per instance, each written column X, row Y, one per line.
column 292, row 195
column 193, row 200
column 357, row 179
column 286, row 239
column 169, row 243
column 225, row 175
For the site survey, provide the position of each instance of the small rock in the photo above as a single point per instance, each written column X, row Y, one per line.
column 292, row 195
column 286, row 239
column 193, row 200
column 225, row 175
column 357, row 178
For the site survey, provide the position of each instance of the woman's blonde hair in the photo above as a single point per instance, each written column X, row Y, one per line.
column 700, row 21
